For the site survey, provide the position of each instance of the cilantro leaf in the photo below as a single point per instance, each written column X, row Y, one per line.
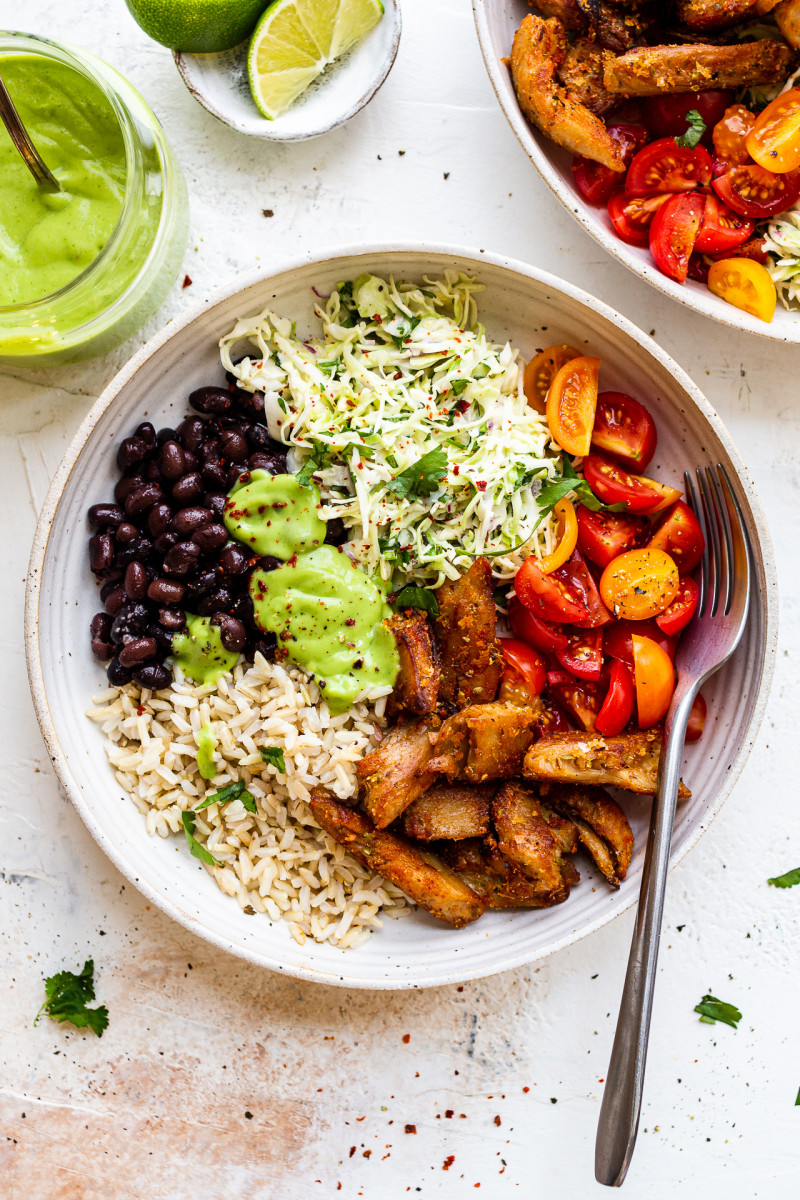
column 797, row 1101
column 423, row 477
column 459, row 385
column 570, row 481
column 418, row 597
column 232, row 791
column 197, row 850
column 788, row 880
column 274, row 756
column 694, row 131
column 712, row 1010
column 319, row 458
column 66, row 997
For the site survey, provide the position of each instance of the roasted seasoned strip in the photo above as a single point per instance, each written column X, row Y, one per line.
column 484, row 742
column 525, row 839
column 449, row 811
column 629, row 761
column 602, row 826
column 466, row 637
column 649, row 70
column 397, row 772
column 416, row 687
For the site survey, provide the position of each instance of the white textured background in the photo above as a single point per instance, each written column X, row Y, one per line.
column 218, row 1081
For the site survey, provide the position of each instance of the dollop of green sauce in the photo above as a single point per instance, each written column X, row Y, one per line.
column 274, row 514
column 200, row 653
column 328, row 615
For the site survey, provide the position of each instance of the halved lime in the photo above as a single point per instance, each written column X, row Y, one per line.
column 296, row 40
column 196, row 26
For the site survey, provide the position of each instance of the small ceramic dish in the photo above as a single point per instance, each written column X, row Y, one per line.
column 496, row 22
column 530, row 309
column 219, row 83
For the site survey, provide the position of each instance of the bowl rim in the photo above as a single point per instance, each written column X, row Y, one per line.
column 33, row 649
column 182, row 60
column 528, row 139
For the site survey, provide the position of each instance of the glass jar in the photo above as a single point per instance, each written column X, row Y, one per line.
column 127, row 281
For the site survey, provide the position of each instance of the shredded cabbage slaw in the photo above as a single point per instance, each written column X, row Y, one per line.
column 403, row 370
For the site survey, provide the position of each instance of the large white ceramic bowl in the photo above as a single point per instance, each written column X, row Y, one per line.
column 531, row 309
column 496, row 22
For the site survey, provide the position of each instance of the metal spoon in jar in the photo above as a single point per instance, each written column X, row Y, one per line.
column 19, row 136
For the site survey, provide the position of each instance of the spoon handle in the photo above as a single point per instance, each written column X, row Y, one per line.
column 19, row 136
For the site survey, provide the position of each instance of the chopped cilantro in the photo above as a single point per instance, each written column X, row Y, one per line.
column 319, row 458
column 712, row 1010
column 418, row 597
column 797, row 1101
column 788, row 880
column 66, row 997
column 459, row 385
column 423, row 477
column 232, row 791
column 274, row 756
column 694, row 131
column 570, row 481
column 404, row 331
column 197, row 850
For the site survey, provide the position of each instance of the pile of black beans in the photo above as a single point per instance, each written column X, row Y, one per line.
column 161, row 547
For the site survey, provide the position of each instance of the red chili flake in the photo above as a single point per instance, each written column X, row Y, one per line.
column 140, row 710
column 462, row 1115
column 268, row 212
column 457, row 471
column 462, row 406
column 497, row 1121
column 448, row 1112
column 367, row 1153
column 187, row 281
column 448, row 1162
column 352, row 1151
column 411, row 1129
column 480, row 484
column 406, row 1038
column 339, row 1187
column 397, row 375
column 526, row 1089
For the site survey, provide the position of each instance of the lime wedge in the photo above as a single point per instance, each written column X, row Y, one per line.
column 296, row 40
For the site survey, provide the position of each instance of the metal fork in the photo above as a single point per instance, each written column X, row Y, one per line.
column 708, row 642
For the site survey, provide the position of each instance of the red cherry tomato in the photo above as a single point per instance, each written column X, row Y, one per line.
column 730, row 137
column 617, row 707
column 624, row 429
column 698, row 268
column 721, row 228
column 666, row 115
column 542, row 635
column 617, row 640
column 673, row 232
column 663, row 166
column 602, row 536
column 631, row 215
column 548, row 596
column 525, row 662
column 612, row 485
column 754, row 249
column 655, row 680
column 683, row 607
column 576, row 577
column 756, row 193
column 697, row 719
column 582, row 700
column 552, row 718
column 596, row 182
column 583, row 656
column 679, row 534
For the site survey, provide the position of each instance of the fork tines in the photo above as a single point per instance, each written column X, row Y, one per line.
column 725, row 558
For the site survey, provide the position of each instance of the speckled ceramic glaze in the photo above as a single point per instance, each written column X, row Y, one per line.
column 529, row 308
column 496, row 22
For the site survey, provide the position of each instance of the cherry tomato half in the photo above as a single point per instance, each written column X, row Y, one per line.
column 624, row 429
column 542, row 370
column 673, row 232
column 675, row 618
column 754, row 249
column 679, row 534
column 581, row 700
column 526, row 662
column 730, row 135
column 640, row 584
column 602, row 536
column 663, row 166
column 583, row 656
column 655, row 680
column 567, row 537
column 721, row 228
column 542, row 635
column 552, row 718
column 611, row 484
column 548, row 596
column 631, row 215
column 745, row 284
column 596, row 182
column 666, row 115
column 756, row 193
column 617, row 707
column 697, row 719
column 578, row 579
column 617, row 639
column 571, row 403
column 774, row 140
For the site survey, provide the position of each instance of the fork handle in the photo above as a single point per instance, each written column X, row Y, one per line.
column 622, row 1098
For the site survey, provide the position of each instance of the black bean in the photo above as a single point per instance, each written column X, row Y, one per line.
column 147, row 433
column 117, row 674
column 100, row 626
column 125, row 485
column 153, row 677
column 189, row 488
column 172, row 461
column 131, row 451
column 191, row 433
column 186, row 520
column 126, row 533
column 129, row 622
column 211, row 400
column 232, row 633
column 258, row 438
column 233, row 561
column 165, row 541
column 210, row 537
column 234, row 446
column 137, row 651
column 102, row 650
column 181, row 558
column 107, row 589
column 135, row 581
column 162, row 638
column 215, row 476
column 172, row 618
column 272, row 463
column 101, row 552
column 268, row 563
column 142, row 498
column 139, row 548
column 191, row 463
column 152, row 472
column 220, row 600
column 166, row 435
column 202, row 584
column 210, row 450
column 216, row 502
column 335, row 533
column 251, row 403
column 159, row 517
column 243, row 609
column 166, row 591
column 115, row 599
column 266, row 645
column 106, row 516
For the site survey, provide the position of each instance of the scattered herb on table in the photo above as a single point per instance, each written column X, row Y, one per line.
column 712, row 1010
column 274, row 756
column 694, row 130
column 67, row 995
column 788, row 880
column 418, row 597
column 423, row 477
column 198, row 851
column 797, row 1101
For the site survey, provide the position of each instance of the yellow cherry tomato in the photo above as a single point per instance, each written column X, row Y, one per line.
column 655, row 680
column 567, row 537
column 572, row 403
column 542, row 370
column 774, row 140
column 640, row 584
column 744, row 284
